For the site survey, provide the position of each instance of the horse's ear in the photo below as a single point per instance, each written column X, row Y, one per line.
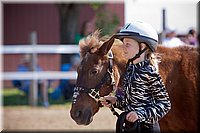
column 106, row 46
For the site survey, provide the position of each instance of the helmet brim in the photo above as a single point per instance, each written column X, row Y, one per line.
column 123, row 35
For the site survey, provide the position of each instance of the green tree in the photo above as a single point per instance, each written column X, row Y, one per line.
column 69, row 14
column 106, row 20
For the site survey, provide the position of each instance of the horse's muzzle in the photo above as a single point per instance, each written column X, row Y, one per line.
column 82, row 117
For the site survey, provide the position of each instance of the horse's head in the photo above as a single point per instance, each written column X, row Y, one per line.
column 95, row 78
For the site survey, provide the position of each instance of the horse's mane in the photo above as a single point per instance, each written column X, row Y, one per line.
column 91, row 43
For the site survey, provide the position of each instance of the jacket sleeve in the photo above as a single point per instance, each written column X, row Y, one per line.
column 161, row 105
column 120, row 102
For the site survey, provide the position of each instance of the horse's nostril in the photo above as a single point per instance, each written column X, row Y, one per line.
column 78, row 114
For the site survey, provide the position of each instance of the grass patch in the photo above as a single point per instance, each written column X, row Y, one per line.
column 15, row 97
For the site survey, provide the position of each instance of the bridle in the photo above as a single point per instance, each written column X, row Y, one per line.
column 94, row 92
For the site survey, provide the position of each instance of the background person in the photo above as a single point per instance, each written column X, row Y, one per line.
column 66, row 86
column 171, row 39
column 25, row 85
column 86, row 29
column 192, row 37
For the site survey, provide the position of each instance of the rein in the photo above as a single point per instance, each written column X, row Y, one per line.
column 94, row 92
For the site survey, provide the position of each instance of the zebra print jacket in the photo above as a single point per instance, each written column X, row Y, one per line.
column 144, row 92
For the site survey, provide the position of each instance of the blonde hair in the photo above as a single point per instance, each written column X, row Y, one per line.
column 154, row 58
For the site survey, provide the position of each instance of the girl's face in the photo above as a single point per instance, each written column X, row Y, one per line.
column 131, row 47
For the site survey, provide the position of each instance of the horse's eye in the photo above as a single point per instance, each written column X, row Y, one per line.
column 94, row 71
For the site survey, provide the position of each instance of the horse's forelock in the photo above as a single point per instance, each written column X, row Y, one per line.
column 90, row 44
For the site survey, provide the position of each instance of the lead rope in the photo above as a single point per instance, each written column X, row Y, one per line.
column 112, row 109
column 110, row 56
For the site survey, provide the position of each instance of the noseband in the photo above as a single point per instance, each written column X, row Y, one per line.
column 94, row 92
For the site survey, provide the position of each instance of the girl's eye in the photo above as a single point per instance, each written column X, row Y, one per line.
column 127, row 44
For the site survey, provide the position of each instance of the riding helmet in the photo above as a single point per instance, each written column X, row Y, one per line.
column 141, row 32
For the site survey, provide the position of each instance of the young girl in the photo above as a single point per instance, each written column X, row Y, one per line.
column 145, row 96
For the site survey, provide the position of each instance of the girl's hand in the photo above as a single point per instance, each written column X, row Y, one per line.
column 112, row 100
column 131, row 116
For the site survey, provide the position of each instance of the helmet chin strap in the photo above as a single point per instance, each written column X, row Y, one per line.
column 137, row 55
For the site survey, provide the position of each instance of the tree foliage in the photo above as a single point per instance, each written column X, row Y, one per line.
column 106, row 20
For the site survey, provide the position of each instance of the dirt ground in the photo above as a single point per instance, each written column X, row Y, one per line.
column 53, row 118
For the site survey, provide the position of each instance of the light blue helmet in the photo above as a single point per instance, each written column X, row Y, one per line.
column 141, row 32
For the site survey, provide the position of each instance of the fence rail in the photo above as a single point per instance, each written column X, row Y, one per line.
column 34, row 75
column 39, row 75
column 40, row 49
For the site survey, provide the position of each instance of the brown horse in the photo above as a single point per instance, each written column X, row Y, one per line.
column 178, row 69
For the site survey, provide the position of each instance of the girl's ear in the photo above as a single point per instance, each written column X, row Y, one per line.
column 106, row 46
column 144, row 45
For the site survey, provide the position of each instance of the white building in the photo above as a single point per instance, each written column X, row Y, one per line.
column 181, row 14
